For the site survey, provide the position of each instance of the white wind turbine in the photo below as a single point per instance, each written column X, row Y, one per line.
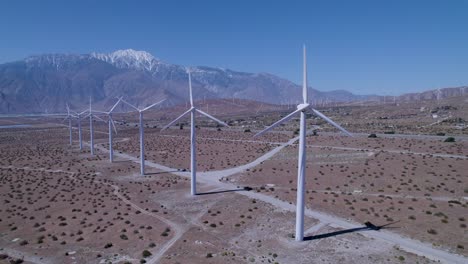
column 91, row 127
column 78, row 117
column 438, row 94
column 193, row 158
column 301, row 168
column 69, row 117
column 80, row 134
column 142, row 133
column 111, row 125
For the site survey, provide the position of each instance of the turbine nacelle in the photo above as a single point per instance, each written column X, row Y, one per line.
column 302, row 106
column 300, row 204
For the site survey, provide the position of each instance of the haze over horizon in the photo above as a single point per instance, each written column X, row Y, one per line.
column 365, row 47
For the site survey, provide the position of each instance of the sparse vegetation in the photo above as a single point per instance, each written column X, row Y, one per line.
column 146, row 253
column 449, row 139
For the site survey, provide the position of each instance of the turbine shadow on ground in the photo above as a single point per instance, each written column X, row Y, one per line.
column 223, row 191
column 159, row 172
column 368, row 227
column 122, row 161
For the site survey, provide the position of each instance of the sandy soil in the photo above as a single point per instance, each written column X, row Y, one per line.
column 71, row 207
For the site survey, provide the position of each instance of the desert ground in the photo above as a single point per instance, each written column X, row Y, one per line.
column 59, row 204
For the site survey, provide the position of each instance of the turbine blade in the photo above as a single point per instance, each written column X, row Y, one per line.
column 304, row 80
column 98, row 118
column 68, row 109
column 190, row 88
column 177, row 119
column 113, row 124
column 100, row 112
column 83, row 112
column 129, row 104
column 284, row 119
column 146, row 108
column 332, row 122
column 115, row 105
column 211, row 117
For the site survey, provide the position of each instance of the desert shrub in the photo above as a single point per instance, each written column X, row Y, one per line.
column 16, row 261
column 209, row 255
column 449, row 139
column 146, row 253
column 372, row 136
column 389, row 132
column 432, row 231
column 108, row 245
column 440, row 134
column 124, row 237
column 247, row 130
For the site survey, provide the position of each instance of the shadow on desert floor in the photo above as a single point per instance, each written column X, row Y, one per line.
column 224, row 191
column 368, row 227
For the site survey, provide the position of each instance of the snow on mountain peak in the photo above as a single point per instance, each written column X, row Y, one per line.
column 129, row 58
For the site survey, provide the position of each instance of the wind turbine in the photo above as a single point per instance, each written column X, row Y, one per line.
column 438, row 94
column 142, row 133
column 69, row 117
column 301, row 168
column 193, row 158
column 78, row 117
column 80, row 134
column 91, row 127
column 111, row 125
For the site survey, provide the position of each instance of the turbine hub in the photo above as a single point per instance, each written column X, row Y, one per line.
column 302, row 106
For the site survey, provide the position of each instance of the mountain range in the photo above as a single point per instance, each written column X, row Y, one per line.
column 44, row 83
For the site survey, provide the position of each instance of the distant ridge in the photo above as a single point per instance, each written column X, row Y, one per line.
column 43, row 83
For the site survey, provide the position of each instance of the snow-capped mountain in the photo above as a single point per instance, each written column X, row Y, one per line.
column 129, row 58
column 46, row 82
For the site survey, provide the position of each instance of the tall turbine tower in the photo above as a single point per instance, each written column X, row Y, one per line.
column 69, row 117
column 78, row 117
column 301, row 167
column 80, row 135
column 438, row 94
column 193, row 158
column 142, row 133
column 91, row 127
column 111, row 125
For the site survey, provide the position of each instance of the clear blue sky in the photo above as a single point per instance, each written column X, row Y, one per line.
column 364, row 46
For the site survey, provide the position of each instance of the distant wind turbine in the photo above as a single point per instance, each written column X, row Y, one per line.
column 438, row 94
column 91, row 127
column 78, row 117
column 111, row 125
column 142, row 133
column 193, row 161
column 69, row 117
column 301, row 108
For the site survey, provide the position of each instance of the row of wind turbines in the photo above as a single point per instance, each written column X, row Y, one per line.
column 301, row 109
